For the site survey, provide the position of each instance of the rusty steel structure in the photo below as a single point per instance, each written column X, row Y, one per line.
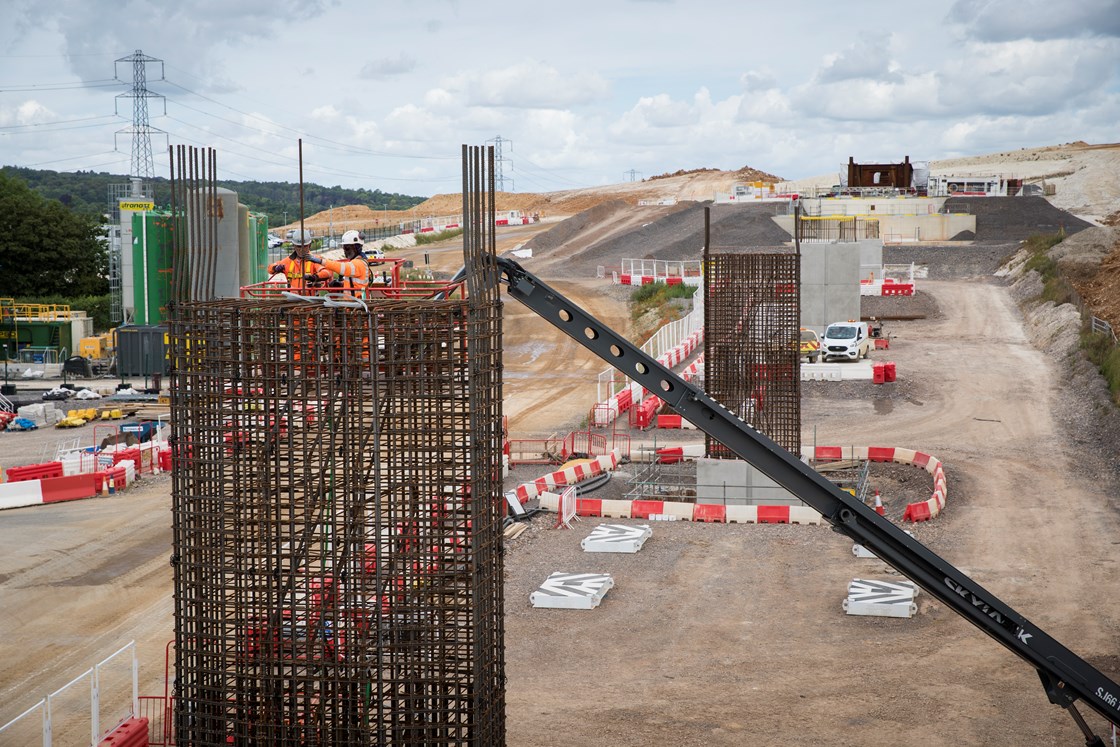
column 880, row 175
column 752, row 318
column 337, row 512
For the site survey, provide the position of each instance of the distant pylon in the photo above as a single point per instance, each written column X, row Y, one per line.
column 633, row 175
column 499, row 161
column 142, row 165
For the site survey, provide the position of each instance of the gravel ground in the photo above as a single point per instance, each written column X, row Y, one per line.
column 1003, row 218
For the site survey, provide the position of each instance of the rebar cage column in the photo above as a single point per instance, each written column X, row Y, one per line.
column 752, row 340
column 337, row 524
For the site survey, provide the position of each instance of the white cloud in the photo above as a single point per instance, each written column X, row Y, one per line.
column 26, row 113
column 1027, row 77
column 529, row 85
column 388, row 67
column 1008, row 20
column 651, row 86
column 869, row 58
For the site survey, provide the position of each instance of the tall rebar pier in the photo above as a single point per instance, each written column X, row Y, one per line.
column 752, row 315
column 337, row 520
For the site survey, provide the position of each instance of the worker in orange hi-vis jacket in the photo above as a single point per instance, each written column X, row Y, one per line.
column 301, row 273
column 354, row 270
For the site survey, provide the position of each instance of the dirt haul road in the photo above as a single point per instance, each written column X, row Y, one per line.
column 732, row 635
column 714, row 634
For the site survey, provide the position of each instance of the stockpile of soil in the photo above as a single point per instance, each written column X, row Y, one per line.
column 666, row 232
column 948, row 261
column 1003, row 218
column 921, row 305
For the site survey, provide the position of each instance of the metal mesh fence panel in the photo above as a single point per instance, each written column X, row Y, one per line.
column 337, row 523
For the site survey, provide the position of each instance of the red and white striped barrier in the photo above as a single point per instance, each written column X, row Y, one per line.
column 699, row 512
column 53, row 484
column 920, row 511
column 885, row 288
column 680, row 352
column 565, row 477
column 608, row 411
column 630, row 279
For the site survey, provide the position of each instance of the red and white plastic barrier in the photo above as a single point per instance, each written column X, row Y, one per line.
column 920, row 511
column 701, row 512
column 629, row 279
column 565, row 477
column 885, row 287
column 680, row 352
column 76, row 479
column 605, row 413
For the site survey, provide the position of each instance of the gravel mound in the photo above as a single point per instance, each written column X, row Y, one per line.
column 669, row 232
column 952, row 262
column 1003, row 218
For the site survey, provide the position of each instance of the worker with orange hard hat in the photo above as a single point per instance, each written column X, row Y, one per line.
column 301, row 273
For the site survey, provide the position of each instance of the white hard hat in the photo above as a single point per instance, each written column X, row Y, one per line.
column 351, row 237
column 304, row 240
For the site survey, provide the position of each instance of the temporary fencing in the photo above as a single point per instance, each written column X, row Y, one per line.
column 110, row 690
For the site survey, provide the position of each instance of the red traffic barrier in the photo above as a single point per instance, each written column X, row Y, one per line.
column 882, row 343
column 829, row 453
column 669, row 421
column 880, row 453
column 131, row 733
column 34, row 471
column 643, row 414
column 589, row 507
column 917, row 512
column 625, row 399
column 642, row 509
column 71, row 488
column 888, row 371
column 710, row 512
column 165, row 459
column 773, row 514
column 624, row 279
column 878, row 373
column 133, row 454
column 673, row 281
column 670, row 455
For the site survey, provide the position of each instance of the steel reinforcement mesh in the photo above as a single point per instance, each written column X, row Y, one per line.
column 337, row 524
column 752, row 319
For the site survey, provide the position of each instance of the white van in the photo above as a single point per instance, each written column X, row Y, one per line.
column 848, row 340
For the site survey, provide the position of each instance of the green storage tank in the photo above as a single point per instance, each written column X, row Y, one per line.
column 151, row 266
column 258, row 247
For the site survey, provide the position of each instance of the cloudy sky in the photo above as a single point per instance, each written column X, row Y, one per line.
column 580, row 93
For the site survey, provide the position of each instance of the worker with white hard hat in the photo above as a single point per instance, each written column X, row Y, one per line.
column 300, row 273
column 354, row 269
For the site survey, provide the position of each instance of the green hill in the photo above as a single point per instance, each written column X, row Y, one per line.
column 88, row 192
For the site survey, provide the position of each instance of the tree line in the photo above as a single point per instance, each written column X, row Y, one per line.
column 87, row 192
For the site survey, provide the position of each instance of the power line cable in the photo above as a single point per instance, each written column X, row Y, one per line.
column 72, row 158
column 60, row 121
column 42, row 87
column 310, row 166
column 345, row 147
